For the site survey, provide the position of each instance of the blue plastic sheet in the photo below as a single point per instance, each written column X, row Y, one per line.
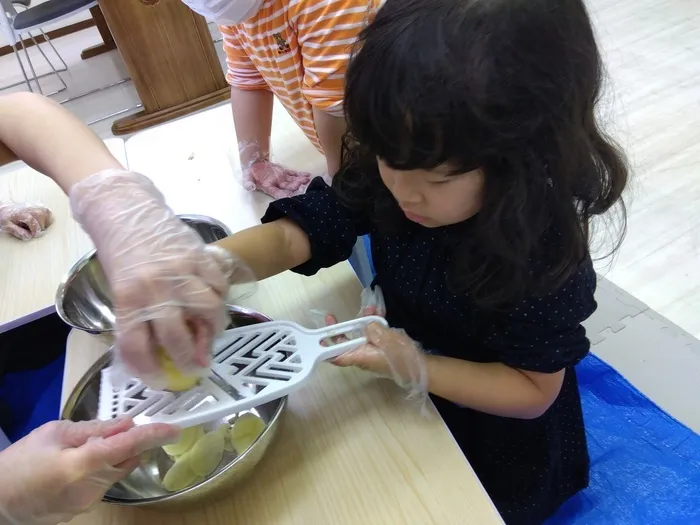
column 645, row 465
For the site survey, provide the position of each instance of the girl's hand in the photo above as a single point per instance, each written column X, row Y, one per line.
column 24, row 221
column 391, row 354
column 371, row 303
column 63, row 468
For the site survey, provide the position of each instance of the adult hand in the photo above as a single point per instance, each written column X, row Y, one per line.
column 63, row 468
column 24, row 221
column 167, row 285
column 276, row 181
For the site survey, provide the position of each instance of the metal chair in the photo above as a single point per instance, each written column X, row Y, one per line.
column 26, row 4
column 14, row 24
column 23, row 5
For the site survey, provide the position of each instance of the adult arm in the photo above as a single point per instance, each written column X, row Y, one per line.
column 168, row 289
column 50, row 139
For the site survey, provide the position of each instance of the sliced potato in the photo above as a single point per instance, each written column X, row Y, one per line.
column 180, row 476
column 206, row 454
column 176, row 381
column 246, row 429
column 187, row 440
column 226, row 432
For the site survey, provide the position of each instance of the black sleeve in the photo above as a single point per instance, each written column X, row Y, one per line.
column 332, row 228
column 544, row 334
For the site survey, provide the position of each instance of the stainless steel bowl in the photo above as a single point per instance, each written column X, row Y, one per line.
column 208, row 228
column 143, row 486
column 83, row 299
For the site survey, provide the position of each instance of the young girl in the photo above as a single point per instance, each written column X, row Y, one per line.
column 475, row 162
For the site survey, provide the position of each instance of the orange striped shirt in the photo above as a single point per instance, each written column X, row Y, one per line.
column 298, row 49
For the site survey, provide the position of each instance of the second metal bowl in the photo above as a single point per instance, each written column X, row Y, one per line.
column 83, row 299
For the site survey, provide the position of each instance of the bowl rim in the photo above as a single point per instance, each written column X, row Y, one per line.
column 66, row 280
column 83, row 261
column 78, row 389
column 206, row 219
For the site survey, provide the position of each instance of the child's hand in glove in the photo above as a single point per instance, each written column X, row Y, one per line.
column 24, row 221
column 391, row 354
column 371, row 303
column 276, row 181
column 388, row 353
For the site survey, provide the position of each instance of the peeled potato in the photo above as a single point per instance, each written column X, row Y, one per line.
column 187, row 440
column 206, row 454
column 246, row 429
column 176, row 381
column 226, row 432
column 180, row 476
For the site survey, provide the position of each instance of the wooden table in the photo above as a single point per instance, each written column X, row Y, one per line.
column 351, row 449
column 169, row 54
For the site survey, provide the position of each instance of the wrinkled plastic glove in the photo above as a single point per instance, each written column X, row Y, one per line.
column 24, row 221
column 388, row 353
column 392, row 354
column 371, row 303
column 63, row 468
column 276, row 181
column 166, row 284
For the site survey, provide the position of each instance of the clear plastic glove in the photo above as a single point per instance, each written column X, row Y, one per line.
column 167, row 285
column 63, row 468
column 392, row 354
column 388, row 353
column 24, row 221
column 276, row 181
column 258, row 173
column 371, row 303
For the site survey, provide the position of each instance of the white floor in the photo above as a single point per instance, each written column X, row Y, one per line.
column 652, row 106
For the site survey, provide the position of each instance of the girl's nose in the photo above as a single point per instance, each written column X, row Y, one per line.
column 404, row 191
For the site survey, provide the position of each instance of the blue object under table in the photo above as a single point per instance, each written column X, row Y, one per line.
column 645, row 465
column 31, row 375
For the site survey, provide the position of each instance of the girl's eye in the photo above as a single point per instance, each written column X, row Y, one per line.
column 441, row 181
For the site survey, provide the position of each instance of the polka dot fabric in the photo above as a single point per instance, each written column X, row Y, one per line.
column 528, row 467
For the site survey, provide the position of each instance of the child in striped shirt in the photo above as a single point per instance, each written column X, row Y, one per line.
column 296, row 50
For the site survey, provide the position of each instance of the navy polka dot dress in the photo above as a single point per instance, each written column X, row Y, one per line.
column 528, row 467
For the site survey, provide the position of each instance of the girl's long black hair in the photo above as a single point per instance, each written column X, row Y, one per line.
column 509, row 86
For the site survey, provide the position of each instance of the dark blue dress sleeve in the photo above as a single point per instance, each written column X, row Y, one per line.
column 332, row 228
column 544, row 334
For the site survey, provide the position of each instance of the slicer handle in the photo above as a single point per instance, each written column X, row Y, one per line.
column 336, row 349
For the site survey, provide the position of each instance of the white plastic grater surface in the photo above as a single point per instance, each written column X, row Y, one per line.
column 251, row 366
